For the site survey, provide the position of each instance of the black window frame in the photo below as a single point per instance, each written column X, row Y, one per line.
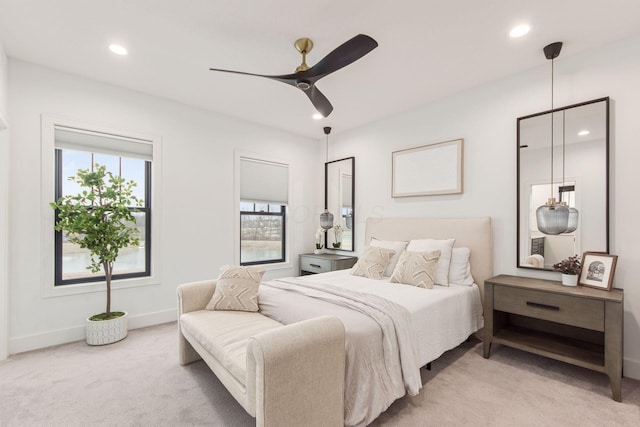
column 59, row 281
column 282, row 213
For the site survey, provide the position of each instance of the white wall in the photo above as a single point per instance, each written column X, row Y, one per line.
column 486, row 118
column 4, row 206
column 197, row 227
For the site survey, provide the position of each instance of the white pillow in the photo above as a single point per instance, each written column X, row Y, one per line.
column 445, row 247
column 460, row 268
column 387, row 244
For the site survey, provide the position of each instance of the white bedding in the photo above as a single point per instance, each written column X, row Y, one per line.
column 442, row 317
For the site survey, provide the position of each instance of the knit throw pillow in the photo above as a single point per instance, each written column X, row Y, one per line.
column 237, row 289
column 416, row 269
column 373, row 262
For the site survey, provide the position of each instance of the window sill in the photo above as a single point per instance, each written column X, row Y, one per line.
column 51, row 291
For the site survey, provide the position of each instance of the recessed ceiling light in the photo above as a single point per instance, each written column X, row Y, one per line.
column 317, row 116
column 519, row 30
column 117, row 49
column 583, row 133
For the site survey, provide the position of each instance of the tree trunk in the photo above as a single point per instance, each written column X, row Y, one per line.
column 107, row 275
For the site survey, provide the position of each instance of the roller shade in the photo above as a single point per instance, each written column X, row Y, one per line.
column 95, row 142
column 262, row 181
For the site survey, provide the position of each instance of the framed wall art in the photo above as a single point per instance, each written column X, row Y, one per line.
column 428, row 170
column 597, row 270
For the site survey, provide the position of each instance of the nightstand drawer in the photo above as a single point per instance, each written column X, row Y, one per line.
column 582, row 312
column 315, row 265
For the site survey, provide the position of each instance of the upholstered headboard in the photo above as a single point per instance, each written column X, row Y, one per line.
column 473, row 233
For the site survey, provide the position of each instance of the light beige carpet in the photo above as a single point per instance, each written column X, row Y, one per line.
column 138, row 382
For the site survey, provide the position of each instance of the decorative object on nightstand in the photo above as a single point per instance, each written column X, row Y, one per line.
column 598, row 269
column 581, row 326
column 319, row 245
column 323, row 263
column 570, row 269
column 337, row 235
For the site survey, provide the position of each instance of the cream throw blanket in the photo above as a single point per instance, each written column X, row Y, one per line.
column 382, row 358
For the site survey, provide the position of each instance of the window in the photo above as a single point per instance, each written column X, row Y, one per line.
column 263, row 207
column 125, row 157
column 262, row 233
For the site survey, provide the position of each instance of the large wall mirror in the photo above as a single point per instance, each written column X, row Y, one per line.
column 579, row 147
column 339, row 197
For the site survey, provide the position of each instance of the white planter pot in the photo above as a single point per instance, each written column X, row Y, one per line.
column 318, row 251
column 101, row 332
column 570, row 279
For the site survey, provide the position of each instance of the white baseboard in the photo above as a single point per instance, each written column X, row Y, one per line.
column 78, row 333
column 631, row 368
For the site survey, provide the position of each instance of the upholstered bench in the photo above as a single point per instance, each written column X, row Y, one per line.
column 289, row 375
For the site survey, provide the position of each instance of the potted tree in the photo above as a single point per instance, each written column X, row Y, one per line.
column 101, row 220
column 570, row 269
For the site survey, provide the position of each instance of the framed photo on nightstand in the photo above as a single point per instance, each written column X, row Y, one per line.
column 597, row 270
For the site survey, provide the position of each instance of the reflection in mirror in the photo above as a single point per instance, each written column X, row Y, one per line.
column 339, row 199
column 580, row 156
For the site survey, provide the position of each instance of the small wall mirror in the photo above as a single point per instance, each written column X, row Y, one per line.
column 339, row 197
column 580, row 178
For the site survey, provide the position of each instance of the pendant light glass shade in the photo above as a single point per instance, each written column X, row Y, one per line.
column 552, row 217
column 326, row 219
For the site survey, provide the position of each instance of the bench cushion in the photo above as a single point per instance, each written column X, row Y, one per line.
column 225, row 334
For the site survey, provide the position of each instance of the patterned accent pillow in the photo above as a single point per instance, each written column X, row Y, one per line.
column 237, row 289
column 373, row 262
column 416, row 269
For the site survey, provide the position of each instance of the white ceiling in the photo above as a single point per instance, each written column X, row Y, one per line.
column 428, row 49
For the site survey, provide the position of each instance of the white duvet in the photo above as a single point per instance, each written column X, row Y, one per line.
column 442, row 317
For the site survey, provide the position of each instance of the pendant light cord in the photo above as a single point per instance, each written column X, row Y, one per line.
column 563, row 154
column 327, row 149
column 552, row 131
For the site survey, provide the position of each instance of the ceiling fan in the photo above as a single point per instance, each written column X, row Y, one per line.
column 305, row 77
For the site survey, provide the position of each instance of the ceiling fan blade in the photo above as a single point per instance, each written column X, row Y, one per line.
column 319, row 101
column 289, row 79
column 348, row 52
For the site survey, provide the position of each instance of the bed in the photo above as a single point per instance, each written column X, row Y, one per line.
column 437, row 319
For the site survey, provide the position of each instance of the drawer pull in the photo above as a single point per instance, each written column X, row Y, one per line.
column 315, row 265
column 543, row 306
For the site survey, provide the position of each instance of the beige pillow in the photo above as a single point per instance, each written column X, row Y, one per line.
column 373, row 262
column 416, row 269
column 387, row 244
column 237, row 289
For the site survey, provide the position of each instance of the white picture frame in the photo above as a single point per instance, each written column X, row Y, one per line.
column 428, row 170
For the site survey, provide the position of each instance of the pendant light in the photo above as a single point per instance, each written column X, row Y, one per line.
column 552, row 217
column 326, row 217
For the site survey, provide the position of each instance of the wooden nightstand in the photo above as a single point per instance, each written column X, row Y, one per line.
column 322, row 263
column 577, row 325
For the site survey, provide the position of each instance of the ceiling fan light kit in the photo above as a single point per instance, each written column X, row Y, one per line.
column 305, row 77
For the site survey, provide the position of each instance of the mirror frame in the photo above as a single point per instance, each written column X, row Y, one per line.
column 606, row 100
column 353, row 201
